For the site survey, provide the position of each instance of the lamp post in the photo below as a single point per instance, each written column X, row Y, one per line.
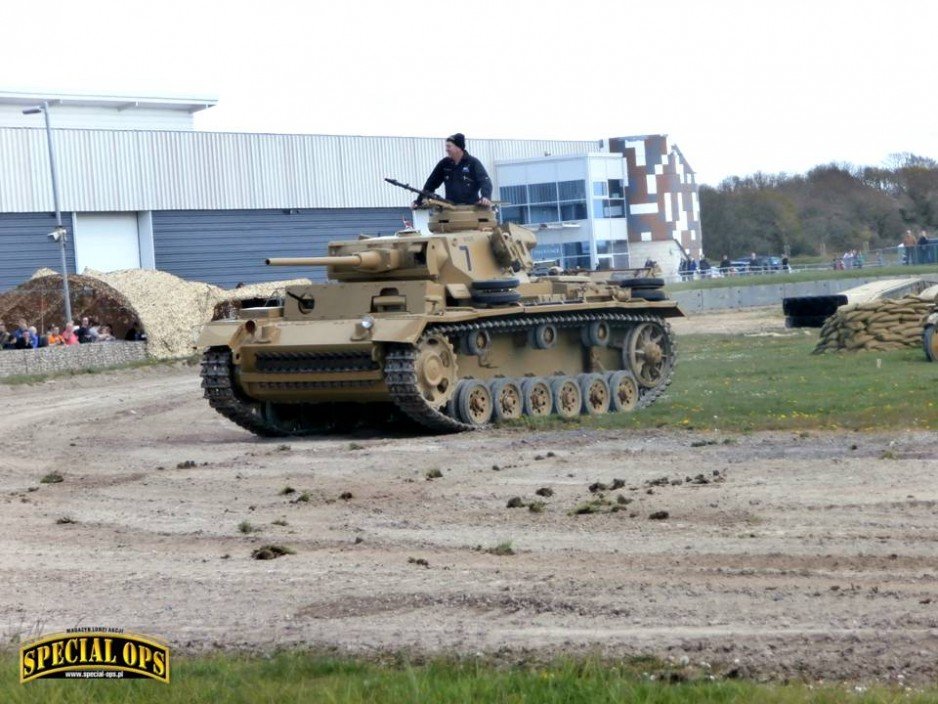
column 59, row 234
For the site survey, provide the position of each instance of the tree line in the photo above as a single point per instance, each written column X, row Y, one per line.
column 831, row 209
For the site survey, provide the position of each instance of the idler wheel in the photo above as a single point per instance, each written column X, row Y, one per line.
column 648, row 354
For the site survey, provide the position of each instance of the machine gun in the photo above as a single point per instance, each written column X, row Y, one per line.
column 421, row 192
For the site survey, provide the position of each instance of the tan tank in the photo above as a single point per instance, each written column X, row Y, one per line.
column 449, row 330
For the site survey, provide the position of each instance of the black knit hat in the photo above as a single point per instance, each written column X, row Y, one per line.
column 459, row 139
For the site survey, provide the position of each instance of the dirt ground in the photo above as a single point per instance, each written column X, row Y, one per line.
column 791, row 555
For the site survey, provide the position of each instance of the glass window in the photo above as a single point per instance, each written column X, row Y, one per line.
column 516, row 195
column 615, row 188
column 573, row 211
column 572, row 190
column 543, row 193
column 608, row 208
column 543, row 213
column 599, row 188
column 514, row 213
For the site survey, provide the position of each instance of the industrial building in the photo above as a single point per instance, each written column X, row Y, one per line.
column 141, row 187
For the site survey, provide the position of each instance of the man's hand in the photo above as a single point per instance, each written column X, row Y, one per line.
column 485, row 202
column 414, row 205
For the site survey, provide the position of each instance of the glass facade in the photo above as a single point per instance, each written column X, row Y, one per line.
column 544, row 202
column 609, row 198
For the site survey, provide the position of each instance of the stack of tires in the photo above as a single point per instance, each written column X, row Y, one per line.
column 495, row 292
column 648, row 288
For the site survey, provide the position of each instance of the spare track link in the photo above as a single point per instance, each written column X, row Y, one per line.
column 401, row 377
column 219, row 389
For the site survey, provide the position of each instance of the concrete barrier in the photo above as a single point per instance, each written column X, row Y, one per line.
column 51, row 360
column 708, row 299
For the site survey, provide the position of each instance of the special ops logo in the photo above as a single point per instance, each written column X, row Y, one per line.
column 93, row 654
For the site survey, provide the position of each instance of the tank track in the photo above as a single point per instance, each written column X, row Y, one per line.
column 401, row 377
column 219, row 389
column 400, row 361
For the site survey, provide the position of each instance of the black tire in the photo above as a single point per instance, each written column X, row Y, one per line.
column 642, row 282
column 495, row 298
column 476, row 342
column 495, row 284
column 649, row 295
column 543, row 336
column 596, row 334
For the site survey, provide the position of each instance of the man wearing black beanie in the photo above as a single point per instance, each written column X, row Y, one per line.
column 467, row 182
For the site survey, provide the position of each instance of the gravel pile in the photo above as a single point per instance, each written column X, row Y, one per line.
column 878, row 325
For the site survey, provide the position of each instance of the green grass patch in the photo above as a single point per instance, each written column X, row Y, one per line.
column 799, row 276
column 300, row 677
column 742, row 384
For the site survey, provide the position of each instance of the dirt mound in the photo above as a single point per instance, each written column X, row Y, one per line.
column 169, row 309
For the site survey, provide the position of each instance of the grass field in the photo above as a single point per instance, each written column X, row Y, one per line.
column 298, row 677
column 742, row 384
column 799, row 276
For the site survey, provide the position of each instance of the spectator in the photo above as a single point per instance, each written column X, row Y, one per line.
column 6, row 339
column 922, row 250
column 86, row 333
column 691, row 268
column 704, row 268
column 753, row 262
column 725, row 265
column 908, row 246
column 69, row 337
column 19, row 333
column 104, row 334
column 33, row 337
column 785, row 265
column 55, row 336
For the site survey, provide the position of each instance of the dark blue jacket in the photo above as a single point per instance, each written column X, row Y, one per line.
column 463, row 181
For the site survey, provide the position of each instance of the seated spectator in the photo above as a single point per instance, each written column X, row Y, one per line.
column 33, row 337
column 6, row 339
column 55, row 336
column 69, row 337
column 104, row 334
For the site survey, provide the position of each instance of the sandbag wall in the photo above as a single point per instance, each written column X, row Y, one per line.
column 877, row 325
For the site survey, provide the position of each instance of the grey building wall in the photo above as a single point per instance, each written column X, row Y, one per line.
column 225, row 247
column 25, row 246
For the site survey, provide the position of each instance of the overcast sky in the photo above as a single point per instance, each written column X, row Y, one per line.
column 741, row 86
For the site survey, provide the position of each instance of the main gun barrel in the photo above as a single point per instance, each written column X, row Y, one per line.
column 371, row 260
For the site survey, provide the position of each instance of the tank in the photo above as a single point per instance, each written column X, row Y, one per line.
column 451, row 330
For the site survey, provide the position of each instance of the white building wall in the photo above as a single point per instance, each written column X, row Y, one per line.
column 110, row 170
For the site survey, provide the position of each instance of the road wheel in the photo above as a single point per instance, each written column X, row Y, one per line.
column 508, row 403
column 537, row 396
column 623, row 391
column 595, row 392
column 568, row 400
column 474, row 405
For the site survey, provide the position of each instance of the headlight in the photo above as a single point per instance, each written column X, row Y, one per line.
column 367, row 322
